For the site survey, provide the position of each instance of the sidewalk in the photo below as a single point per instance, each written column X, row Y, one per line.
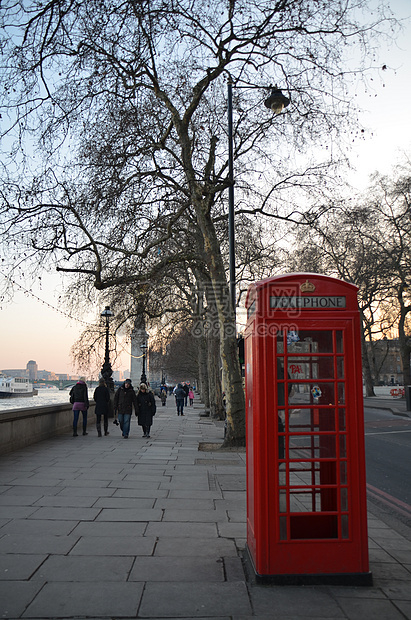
column 396, row 406
column 154, row 528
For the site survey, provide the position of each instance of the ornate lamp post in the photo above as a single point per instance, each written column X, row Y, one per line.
column 106, row 370
column 275, row 102
column 144, row 348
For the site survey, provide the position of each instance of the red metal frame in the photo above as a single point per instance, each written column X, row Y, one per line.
column 306, row 494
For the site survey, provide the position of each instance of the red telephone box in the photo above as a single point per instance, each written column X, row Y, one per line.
column 306, row 493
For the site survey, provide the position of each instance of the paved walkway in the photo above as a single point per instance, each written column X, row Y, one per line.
column 109, row 528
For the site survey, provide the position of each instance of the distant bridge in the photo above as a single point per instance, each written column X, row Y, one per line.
column 65, row 384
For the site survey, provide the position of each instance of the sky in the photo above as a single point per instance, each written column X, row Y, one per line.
column 33, row 327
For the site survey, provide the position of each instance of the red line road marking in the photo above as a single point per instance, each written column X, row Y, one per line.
column 389, row 500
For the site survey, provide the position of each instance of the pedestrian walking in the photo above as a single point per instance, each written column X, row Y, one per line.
column 146, row 409
column 180, row 395
column 163, row 397
column 80, row 402
column 102, row 399
column 124, row 401
column 186, row 391
column 191, row 396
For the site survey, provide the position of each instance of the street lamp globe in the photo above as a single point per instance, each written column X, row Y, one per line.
column 276, row 101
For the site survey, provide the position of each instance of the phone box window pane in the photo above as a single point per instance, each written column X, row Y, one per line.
column 313, row 341
column 343, row 447
column 311, row 419
column 341, row 393
column 344, row 500
column 312, row 447
column 343, row 472
column 282, row 475
column 339, row 341
column 313, row 392
column 341, row 419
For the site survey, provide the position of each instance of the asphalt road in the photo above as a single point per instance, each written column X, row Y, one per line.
column 388, row 458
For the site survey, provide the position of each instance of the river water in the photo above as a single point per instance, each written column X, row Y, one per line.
column 51, row 396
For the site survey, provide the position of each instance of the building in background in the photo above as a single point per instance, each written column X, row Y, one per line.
column 32, row 369
column 385, row 361
column 139, row 336
column 14, row 372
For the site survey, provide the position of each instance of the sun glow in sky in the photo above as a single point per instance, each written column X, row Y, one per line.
column 30, row 329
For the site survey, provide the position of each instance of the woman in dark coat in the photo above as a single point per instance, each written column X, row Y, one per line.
column 146, row 409
column 102, row 399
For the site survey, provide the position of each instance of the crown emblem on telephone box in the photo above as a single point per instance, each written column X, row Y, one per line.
column 307, row 287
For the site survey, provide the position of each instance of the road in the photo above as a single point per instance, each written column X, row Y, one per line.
column 388, row 458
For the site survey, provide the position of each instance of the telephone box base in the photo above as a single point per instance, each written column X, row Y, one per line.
column 334, row 579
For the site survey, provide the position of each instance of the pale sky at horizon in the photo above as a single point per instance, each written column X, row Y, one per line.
column 31, row 330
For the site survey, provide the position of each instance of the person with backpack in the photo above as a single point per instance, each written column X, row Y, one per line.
column 80, row 402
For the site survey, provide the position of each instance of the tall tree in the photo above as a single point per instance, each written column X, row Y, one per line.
column 128, row 102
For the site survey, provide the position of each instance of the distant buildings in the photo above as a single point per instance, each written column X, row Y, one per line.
column 385, row 361
column 32, row 373
column 32, row 369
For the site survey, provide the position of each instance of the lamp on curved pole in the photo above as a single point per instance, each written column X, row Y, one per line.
column 106, row 370
column 144, row 348
column 275, row 102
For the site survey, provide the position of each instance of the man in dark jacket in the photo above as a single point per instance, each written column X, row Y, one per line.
column 180, row 395
column 146, row 409
column 124, row 400
column 102, row 399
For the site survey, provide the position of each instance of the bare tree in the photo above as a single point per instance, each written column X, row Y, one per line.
column 128, row 104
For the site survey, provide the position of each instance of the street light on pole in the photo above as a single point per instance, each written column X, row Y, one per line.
column 275, row 102
column 144, row 348
column 106, row 370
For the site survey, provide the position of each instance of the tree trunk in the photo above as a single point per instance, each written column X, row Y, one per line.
column 217, row 409
column 203, row 374
column 202, row 202
column 235, row 400
column 367, row 375
column 405, row 348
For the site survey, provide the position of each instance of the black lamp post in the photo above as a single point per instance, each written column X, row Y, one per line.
column 275, row 102
column 106, row 370
column 144, row 348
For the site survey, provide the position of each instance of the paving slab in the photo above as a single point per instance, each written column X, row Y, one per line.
column 84, row 568
column 114, row 545
column 62, row 600
column 38, row 527
column 18, row 567
column 15, row 596
column 177, row 569
column 38, row 544
column 109, row 529
column 176, row 600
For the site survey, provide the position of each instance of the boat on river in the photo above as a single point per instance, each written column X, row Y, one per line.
column 16, row 387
